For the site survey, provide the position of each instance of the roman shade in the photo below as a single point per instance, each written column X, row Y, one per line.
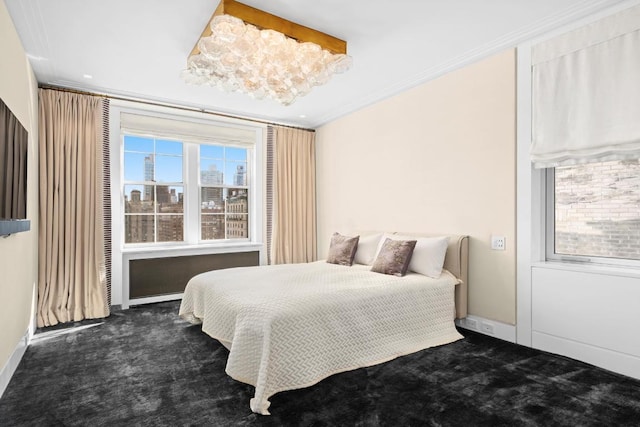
column 586, row 93
column 186, row 130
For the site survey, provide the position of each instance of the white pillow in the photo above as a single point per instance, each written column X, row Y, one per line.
column 428, row 255
column 367, row 249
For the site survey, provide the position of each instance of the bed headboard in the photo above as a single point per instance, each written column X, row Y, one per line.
column 456, row 261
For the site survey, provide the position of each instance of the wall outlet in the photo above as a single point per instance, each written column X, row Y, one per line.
column 486, row 328
column 497, row 243
column 471, row 324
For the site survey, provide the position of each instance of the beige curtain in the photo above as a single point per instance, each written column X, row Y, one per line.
column 293, row 237
column 71, row 273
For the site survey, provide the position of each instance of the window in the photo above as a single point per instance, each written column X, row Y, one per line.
column 224, row 194
column 153, row 190
column 594, row 212
column 184, row 191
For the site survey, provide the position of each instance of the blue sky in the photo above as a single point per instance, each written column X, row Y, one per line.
column 168, row 158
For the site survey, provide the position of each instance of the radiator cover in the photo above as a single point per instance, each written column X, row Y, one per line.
column 160, row 276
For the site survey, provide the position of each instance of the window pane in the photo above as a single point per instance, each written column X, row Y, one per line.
column 168, row 169
column 211, row 151
column 155, row 186
column 170, row 228
column 169, row 199
column 211, row 200
column 597, row 209
column 212, row 227
column 138, row 228
column 138, row 143
column 235, row 154
column 135, row 200
column 211, row 172
column 138, row 167
column 235, row 173
column 237, row 226
column 237, row 200
column 168, row 147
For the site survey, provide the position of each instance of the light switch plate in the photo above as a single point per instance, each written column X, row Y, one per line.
column 498, row 243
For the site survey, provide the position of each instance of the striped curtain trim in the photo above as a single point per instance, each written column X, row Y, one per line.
column 269, row 190
column 106, row 196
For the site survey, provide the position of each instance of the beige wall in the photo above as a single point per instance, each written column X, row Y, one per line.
column 18, row 253
column 437, row 158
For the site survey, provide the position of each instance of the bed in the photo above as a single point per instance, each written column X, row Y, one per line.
column 290, row 326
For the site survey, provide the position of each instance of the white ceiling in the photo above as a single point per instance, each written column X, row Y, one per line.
column 137, row 48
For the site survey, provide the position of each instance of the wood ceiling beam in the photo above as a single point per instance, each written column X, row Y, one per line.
column 264, row 21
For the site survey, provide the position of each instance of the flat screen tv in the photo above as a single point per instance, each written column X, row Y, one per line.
column 13, row 173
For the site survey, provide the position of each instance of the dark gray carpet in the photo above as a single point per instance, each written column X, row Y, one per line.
column 147, row 367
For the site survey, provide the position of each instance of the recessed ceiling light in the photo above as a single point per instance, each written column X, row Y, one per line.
column 87, row 76
column 302, row 116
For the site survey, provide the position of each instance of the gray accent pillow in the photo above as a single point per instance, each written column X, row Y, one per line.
column 394, row 257
column 342, row 249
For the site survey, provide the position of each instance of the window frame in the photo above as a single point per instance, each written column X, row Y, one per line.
column 251, row 171
column 549, row 217
column 192, row 196
column 155, row 184
column 121, row 254
column 256, row 146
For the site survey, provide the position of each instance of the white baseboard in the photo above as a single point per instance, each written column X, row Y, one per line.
column 151, row 300
column 13, row 362
column 622, row 363
column 492, row 328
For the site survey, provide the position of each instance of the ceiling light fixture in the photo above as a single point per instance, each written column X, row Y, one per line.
column 244, row 49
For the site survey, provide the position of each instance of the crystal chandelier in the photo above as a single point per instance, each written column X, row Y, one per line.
column 244, row 49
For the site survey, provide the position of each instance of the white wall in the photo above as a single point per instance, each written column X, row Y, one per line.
column 437, row 158
column 18, row 253
column 586, row 312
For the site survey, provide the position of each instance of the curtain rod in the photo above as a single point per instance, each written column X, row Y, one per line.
column 165, row 104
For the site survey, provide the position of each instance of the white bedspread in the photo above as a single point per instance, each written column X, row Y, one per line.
column 290, row 326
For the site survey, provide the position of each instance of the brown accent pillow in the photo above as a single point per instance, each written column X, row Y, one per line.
column 394, row 257
column 342, row 249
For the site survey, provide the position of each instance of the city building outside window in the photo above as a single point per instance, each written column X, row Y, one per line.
column 153, row 190
column 224, row 193
column 156, row 189
column 594, row 212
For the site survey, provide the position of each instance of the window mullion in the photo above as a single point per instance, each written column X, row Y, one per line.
column 550, row 214
column 192, row 196
column 155, row 215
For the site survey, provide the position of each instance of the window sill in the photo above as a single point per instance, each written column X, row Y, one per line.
column 607, row 270
column 186, row 249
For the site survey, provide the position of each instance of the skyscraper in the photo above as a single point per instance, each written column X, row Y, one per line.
column 148, row 176
column 211, row 176
column 240, row 177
